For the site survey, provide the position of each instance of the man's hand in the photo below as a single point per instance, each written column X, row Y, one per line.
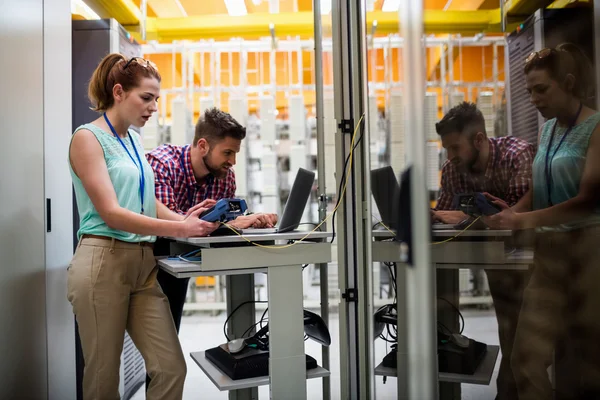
column 254, row 221
column 206, row 204
column 448, row 217
column 271, row 220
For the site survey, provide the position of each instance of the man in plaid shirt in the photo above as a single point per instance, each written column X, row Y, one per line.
column 196, row 175
column 502, row 168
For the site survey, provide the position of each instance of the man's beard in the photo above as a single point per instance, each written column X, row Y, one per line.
column 216, row 171
column 469, row 165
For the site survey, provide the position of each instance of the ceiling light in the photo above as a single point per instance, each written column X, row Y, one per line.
column 390, row 5
column 273, row 6
column 256, row 2
column 236, row 8
column 80, row 8
column 325, row 6
column 180, row 6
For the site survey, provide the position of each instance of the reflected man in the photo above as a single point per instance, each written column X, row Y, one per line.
column 501, row 167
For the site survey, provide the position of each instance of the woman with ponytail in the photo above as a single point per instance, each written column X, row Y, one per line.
column 112, row 278
column 562, row 299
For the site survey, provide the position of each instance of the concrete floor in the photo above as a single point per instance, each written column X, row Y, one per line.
column 199, row 332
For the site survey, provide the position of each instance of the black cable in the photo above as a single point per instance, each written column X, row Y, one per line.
column 462, row 320
column 391, row 268
column 233, row 312
column 386, row 339
column 343, row 177
column 262, row 317
column 260, row 321
column 393, row 336
column 250, row 328
column 448, row 331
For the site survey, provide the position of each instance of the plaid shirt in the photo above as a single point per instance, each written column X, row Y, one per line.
column 507, row 175
column 174, row 180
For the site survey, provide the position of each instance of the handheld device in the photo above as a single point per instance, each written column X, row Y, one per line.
column 224, row 210
column 475, row 204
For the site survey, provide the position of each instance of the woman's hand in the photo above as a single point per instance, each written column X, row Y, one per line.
column 496, row 201
column 206, row 204
column 506, row 219
column 193, row 226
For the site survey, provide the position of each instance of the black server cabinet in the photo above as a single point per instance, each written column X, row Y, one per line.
column 546, row 28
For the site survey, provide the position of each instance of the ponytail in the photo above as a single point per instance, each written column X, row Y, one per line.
column 583, row 71
column 103, row 81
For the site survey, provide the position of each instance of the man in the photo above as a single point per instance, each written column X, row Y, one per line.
column 197, row 175
column 502, row 168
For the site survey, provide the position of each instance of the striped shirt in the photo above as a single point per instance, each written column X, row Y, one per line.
column 507, row 175
column 175, row 184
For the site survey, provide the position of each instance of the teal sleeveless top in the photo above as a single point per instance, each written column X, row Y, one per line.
column 125, row 177
column 566, row 170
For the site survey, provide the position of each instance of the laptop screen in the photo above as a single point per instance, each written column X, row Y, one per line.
column 296, row 202
column 384, row 185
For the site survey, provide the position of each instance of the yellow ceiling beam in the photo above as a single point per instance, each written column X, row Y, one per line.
column 127, row 13
column 167, row 8
column 223, row 27
column 465, row 5
column 124, row 11
column 569, row 3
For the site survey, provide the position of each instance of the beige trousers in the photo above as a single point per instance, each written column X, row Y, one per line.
column 561, row 304
column 112, row 287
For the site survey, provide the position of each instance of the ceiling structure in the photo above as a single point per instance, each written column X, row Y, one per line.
column 169, row 20
column 191, row 8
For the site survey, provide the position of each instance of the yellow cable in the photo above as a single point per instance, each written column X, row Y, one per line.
column 458, row 234
column 382, row 224
column 434, row 243
column 339, row 202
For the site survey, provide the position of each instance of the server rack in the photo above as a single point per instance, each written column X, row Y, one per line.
column 545, row 28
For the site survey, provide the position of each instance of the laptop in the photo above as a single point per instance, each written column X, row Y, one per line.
column 383, row 186
column 294, row 207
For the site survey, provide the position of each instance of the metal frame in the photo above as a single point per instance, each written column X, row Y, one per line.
column 354, row 252
column 420, row 279
column 322, row 190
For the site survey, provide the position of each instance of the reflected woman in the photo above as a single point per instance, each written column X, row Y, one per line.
column 562, row 298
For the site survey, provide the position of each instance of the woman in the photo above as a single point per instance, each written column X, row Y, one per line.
column 562, row 299
column 112, row 277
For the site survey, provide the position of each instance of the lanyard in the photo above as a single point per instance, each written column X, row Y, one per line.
column 187, row 187
column 140, row 166
column 550, row 159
